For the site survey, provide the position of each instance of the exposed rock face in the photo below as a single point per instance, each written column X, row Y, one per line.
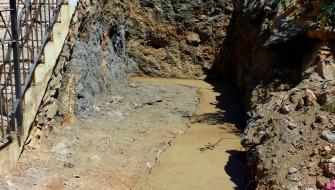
column 274, row 54
column 98, row 72
column 97, row 67
column 172, row 38
column 263, row 46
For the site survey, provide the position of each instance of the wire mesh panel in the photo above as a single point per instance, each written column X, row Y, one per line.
column 25, row 28
column 34, row 26
column 7, row 92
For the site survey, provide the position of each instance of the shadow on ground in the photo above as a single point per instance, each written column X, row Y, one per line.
column 231, row 105
column 237, row 170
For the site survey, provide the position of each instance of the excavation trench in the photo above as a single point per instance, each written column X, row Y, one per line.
column 208, row 155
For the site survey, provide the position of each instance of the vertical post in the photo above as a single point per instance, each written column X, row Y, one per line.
column 16, row 65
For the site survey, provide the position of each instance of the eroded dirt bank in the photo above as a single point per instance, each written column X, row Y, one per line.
column 208, row 155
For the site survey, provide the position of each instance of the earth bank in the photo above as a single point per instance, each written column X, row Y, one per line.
column 280, row 54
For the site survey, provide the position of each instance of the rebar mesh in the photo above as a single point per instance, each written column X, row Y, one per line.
column 33, row 29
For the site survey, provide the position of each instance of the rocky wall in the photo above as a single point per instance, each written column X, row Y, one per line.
column 282, row 59
column 266, row 44
column 170, row 38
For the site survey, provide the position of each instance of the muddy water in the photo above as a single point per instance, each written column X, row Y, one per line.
column 208, row 156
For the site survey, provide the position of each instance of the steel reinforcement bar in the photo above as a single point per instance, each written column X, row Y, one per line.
column 25, row 29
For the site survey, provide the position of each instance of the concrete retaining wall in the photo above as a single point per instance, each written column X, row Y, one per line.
column 33, row 99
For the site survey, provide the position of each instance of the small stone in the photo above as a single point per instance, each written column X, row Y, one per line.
column 133, row 85
column 321, row 119
column 52, row 93
column 332, row 160
column 312, row 173
column 327, row 148
column 149, row 165
column 285, row 109
column 301, row 103
column 41, row 119
column 267, row 9
column 203, row 17
column 329, row 107
column 328, row 136
column 152, row 102
column 309, row 188
column 51, row 110
column 310, row 98
column 299, row 184
column 68, row 165
column 292, row 125
column 296, row 179
column 326, row 69
column 310, row 165
column 326, row 98
column 320, row 182
column 328, row 169
column 60, row 148
column 313, row 125
column 292, row 187
column 116, row 99
column 193, row 38
column 294, row 98
column 96, row 108
column 293, row 170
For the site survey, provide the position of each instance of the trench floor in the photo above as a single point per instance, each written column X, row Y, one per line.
column 156, row 134
column 208, row 155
